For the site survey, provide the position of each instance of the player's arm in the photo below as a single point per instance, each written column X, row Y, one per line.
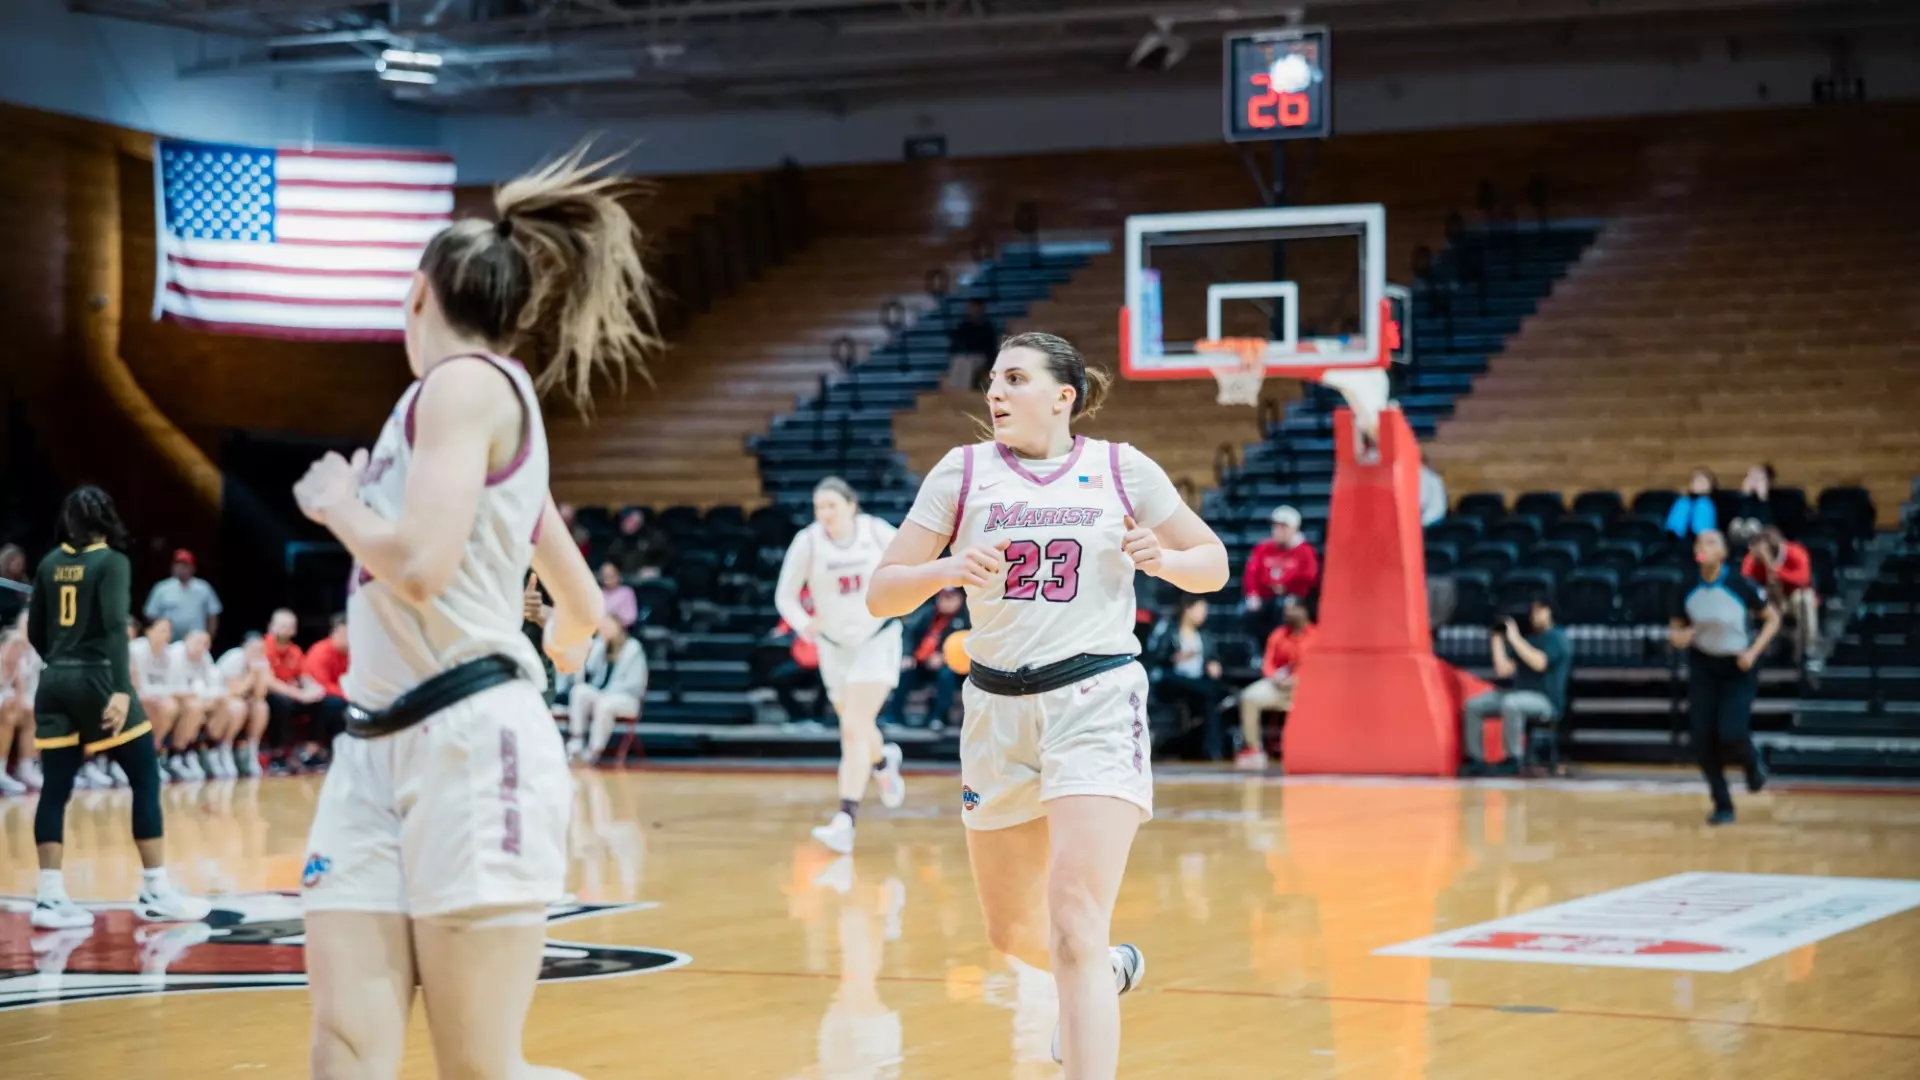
column 912, row 571
column 793, row 578
column 458, row 411
column 115, row 592
column 578, row 603
column 1769, row 624
column 1176, row 546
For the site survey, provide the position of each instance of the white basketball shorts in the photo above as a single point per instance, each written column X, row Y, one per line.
column 465, row 810
column 1090, row 738
column 875, row 661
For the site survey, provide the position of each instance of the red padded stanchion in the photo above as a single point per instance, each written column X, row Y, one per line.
column 1371, row 696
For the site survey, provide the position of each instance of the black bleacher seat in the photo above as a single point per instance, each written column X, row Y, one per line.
column 1495, row 557
column 659, row 601
column 1487, row 505
column 597, row 519
column 1605, row 505
column 1667, row 550
column 1654, row 503
column 1441, row 557
column 1850, row 505
column 1825, row 556
column 1460, row 531
column 681, row 520
column 725, row 516
column 1521, row 530
column 1726, row 504
column 773, row 526
column 1638, row 528
column 1521, row 585
column 1589, row 596
column 1473, row 597
column 1545, row 505
column 1652, row 594
column 1583, row 531
column 698, row 574
column 1832, row 531
column 1789, row 505
column 1620, row 556
column 1558, row 556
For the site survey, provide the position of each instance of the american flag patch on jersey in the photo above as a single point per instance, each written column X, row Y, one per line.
column 1093, row 481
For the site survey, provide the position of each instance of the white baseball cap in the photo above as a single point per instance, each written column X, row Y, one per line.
column 1286, row 515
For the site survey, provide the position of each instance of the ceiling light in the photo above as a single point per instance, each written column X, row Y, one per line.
column 402, row 75
column 409, row 58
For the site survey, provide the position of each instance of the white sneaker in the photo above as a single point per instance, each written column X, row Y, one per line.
column 893, row 786
column 116, row 776
column 207, row 763
column 179, row 766
column 1129, row 971
column 837, row 834
column 577, row 750
column 10, row 786
column 28, row 773
column 247, row 761
column 60, row 914
column 229, row 768
column 1250, row 760
column 168, row 904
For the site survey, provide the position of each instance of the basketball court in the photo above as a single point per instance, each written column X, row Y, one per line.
column 716, row 940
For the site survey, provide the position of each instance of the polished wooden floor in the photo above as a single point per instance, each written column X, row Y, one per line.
column 1259, row 904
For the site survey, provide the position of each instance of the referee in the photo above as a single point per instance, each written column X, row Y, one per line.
column 1713, row 624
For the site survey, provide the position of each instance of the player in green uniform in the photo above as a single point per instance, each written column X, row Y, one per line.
column 77, row 620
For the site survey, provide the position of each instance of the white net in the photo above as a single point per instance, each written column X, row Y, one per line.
column 1241, row 382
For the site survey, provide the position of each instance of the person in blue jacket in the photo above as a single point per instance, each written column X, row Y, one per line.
column 1694, row 513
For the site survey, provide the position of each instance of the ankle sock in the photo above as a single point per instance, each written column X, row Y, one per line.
column 851, row 808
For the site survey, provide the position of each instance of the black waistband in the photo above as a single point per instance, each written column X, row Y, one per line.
column 1039, row 680
column 443, row 691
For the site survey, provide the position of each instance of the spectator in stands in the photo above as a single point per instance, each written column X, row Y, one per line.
column 1713, row 623
column 20, row 668
column 1180, row 662
column 612, row 685
column 1693, row 513
column 185, row 601
column 325, row 665
column 1538, row 662
column 1756, row 505
column 289, row 691
column 248, row 678
column 1284, row 564
column 926, row 633
column 622, row 604
column 1279, row 666
column 13, row 568
column 638, row 549
column 975, row 340
column 1433, row 496
column 1784, row 571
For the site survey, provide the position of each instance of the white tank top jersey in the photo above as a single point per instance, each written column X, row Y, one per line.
column 837, row 576
column 152, row 672
column 1068, row 587
column 396, row 645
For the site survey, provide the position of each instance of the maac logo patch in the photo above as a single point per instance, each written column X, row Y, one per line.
column 969, row 798
column 251, row 941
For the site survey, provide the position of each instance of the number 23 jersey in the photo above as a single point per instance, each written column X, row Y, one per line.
column 1068, row 587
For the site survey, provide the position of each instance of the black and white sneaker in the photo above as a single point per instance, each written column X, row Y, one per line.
column 166, row 903
column 60, row 914
column 1129, row 971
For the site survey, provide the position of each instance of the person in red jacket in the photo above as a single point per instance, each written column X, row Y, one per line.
column 1784, row 570
column 1282, row 565
column 1274, row 692
column 326, row 664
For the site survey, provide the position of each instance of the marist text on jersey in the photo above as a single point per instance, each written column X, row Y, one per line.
column 1020, row 516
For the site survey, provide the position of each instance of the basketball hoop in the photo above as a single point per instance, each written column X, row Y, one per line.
column 1240, row 384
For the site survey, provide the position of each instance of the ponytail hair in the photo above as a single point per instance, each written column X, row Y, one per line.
column 87, row 516
column 557, row 281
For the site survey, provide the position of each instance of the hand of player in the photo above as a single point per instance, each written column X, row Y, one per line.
column 329, row 482
column 530, row 607
column 1142, row 547
column 115, row 714
column 981, row 566
column 1746, row 661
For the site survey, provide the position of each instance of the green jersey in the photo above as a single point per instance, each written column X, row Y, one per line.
column 78, row 615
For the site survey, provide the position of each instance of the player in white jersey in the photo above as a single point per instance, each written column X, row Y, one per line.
column 440, row 837
column 19, row 681
column 1046, row 530
column 834, row 559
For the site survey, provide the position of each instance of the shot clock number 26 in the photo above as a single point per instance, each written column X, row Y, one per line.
column 1278, row 85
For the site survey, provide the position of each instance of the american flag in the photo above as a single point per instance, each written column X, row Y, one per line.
column 289, row 243
column 1095, row 481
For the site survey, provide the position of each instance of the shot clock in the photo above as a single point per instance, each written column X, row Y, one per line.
column 1279, row 84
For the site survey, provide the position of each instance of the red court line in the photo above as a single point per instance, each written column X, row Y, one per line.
column 1346, row 999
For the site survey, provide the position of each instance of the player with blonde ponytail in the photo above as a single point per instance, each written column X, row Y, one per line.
column 437, row 846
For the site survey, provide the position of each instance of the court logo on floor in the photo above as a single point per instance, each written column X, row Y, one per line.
column 1687, row 922
column 251, row 941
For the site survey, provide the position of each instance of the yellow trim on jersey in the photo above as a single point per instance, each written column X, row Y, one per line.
column 68, row 548
column 124, row 737
column 60, row 743
column 95, row 547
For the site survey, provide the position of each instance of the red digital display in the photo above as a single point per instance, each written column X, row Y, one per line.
column 1278, row 85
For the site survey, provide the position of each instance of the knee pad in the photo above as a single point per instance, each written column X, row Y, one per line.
column 499, row 917
column 142, row 766
column 57, row 769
